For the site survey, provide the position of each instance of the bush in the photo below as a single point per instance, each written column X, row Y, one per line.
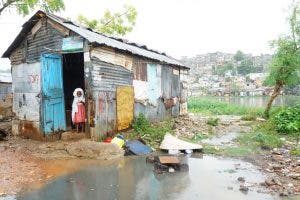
column 287, row 121
column 152, row 134
column 213, row 121
column 267, row 141
column 140, row 124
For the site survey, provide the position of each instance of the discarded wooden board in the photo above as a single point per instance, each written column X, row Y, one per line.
column 168, row 160
column 172, row 143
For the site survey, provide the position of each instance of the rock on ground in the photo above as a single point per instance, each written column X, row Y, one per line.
column 96, row 150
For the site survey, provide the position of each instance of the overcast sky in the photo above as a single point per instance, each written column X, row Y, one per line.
column 182, row 27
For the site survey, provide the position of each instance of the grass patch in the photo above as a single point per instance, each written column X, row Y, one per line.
column 263, row 136
column 207, row 105
column 213, row 121
column 295, row 151
column 151, row 133
column 249, row 117
column 229, row 151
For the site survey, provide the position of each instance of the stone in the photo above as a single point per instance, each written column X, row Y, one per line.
column 244, row 188
column 241, row 179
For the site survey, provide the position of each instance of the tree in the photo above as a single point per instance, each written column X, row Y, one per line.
column 118, row 23
column 25, row 6
column 239, row 56
column 221, row 70
column 284, row 67
column 245, row 67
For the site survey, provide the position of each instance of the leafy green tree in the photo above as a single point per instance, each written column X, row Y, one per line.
column 239, row 56
column 221, row 70
column 118, row 23
column 284, row 68
column 245, row 67
column 25, row 6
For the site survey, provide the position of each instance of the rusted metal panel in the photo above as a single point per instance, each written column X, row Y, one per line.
column 125, row 106
column 175, row 91
column 26, row 91
column 105, row 113
column 109, row 55
column 166, row 76
column 139, row 69
column 44, row 38
column 106, row 77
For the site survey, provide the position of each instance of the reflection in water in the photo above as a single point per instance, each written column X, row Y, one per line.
column 259, row 101
column 132, row 178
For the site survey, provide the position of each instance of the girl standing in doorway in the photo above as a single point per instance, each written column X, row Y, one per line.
column 78, row 109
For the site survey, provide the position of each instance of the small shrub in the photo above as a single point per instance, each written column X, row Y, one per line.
column 267, row 141
column 140, row 123
column 152, row 134
column 287, row 121
column 213, row 121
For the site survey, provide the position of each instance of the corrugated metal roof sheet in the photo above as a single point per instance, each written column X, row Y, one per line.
column 101, row 39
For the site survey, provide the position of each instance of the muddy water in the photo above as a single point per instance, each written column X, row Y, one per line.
column 132, row 178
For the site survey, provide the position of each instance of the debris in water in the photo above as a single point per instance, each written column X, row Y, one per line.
column 136, row 147
column 164, row 164
column 170, row 142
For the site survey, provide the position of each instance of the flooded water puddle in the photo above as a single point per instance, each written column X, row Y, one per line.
column 132, row 178
column 226, row 139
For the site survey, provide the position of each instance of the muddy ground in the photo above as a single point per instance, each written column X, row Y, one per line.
column 26, row 162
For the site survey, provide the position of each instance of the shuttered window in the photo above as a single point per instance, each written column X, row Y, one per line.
column 140, row 70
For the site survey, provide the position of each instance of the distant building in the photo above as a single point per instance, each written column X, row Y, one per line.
column 5, row 85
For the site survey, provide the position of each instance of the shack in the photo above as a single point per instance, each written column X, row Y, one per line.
column 5, row 86
column 52, row 56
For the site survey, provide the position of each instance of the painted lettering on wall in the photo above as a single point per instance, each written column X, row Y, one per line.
column 33, row 79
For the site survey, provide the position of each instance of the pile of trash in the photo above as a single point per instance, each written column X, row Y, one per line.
column 131, row 147
column 170, row 164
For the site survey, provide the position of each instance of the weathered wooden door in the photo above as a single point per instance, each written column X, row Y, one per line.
column 125, row 105
column 53, row 106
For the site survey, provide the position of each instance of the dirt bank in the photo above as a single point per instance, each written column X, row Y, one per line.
column 25, row 162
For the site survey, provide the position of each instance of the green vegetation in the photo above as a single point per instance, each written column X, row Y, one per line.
column 213, row 121
column 117, row 24
column 25, row 6
column 295, row 151
column 287, row 121
column 210, row 106
column 152, row 134
column 224, row 68
column 249, row 117
column 285, row 65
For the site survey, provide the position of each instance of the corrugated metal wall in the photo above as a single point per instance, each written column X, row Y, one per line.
column 26, row 91
column 45, row 39
column 103, row 79
column 5, row 89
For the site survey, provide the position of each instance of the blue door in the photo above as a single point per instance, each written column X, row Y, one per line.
column 53, row 106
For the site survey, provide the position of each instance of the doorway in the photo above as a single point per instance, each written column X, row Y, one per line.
column 73, row 77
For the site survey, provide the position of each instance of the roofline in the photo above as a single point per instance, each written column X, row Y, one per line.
column 27, row 26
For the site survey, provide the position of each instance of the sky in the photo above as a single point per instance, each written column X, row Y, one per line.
column 181, row 27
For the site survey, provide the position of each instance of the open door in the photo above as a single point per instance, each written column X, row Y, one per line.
column 53, row 106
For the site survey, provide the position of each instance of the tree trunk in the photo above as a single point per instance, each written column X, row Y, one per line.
column 275, row 93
